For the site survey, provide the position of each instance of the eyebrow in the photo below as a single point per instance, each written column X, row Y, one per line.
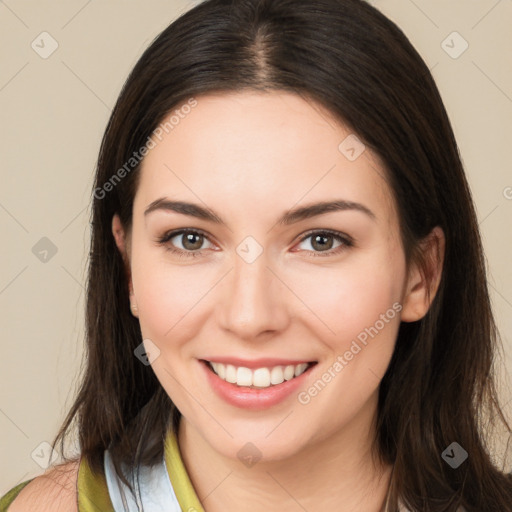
column 289, row 217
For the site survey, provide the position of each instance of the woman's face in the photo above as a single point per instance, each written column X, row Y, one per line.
column 259, row 285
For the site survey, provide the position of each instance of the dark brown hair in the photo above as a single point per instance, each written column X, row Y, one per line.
column 348, row 57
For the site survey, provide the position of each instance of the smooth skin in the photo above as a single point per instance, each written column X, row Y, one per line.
column 250, row 157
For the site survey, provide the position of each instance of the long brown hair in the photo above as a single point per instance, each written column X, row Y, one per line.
column 345, row 55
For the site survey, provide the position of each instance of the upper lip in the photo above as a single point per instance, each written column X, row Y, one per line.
column 265, row 362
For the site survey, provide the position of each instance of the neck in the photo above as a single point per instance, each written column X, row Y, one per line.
column 341, row 475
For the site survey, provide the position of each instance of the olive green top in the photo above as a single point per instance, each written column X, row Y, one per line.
column 92, row 490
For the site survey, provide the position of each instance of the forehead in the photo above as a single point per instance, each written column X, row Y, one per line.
column 260, row 152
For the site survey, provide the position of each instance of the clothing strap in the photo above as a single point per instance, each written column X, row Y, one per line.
column 153, row 491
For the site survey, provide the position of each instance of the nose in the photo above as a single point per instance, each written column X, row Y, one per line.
column 253, row 303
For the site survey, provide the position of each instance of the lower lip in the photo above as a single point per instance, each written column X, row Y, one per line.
column 252, row 398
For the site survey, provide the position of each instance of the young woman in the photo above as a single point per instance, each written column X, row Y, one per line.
column 287, row 301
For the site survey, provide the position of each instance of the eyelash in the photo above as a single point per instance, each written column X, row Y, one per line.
column 346, row 242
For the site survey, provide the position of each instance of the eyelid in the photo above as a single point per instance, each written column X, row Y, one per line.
column 171, row 234
column 332, row 232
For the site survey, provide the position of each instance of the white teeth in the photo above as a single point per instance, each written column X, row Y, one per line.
column 220, row 370
column 276, row 375
column 289, row 372
column 243, row 377
column 260, row 378
column 230, row 373
column 300, row 368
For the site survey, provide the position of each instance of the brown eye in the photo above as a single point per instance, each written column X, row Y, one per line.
column 192, row 241
column 323, row 242
column 184, row 242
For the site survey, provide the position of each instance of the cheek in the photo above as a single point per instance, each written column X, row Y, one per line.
column 352, row 297
column 362, row 307
column 168, row 295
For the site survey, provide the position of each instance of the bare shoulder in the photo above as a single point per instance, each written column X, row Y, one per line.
column 54, row 491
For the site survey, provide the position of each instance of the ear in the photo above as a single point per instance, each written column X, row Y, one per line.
column 423, row 283
column 123, row 246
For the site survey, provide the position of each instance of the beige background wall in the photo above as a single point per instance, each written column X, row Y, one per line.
column 53, row 113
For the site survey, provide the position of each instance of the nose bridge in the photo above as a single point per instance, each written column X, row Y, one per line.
column 253, row 301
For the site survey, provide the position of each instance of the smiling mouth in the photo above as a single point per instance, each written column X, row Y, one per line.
column 259, row 378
